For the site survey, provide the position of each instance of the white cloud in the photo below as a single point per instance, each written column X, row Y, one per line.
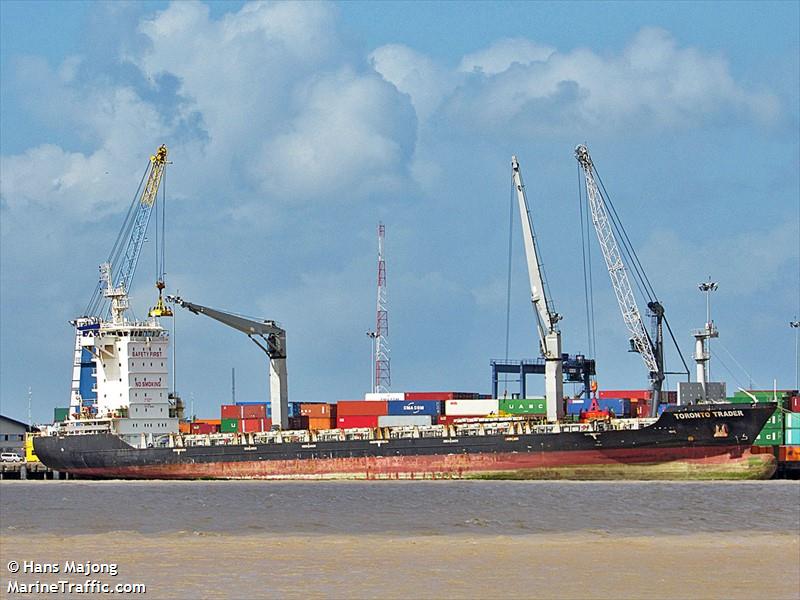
column 652, row 83
column 353, row 133
column 413, row 73
column 503, row 53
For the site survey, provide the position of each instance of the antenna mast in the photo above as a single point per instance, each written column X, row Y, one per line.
column 383, row 379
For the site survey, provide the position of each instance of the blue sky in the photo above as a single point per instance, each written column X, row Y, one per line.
column 295, row 128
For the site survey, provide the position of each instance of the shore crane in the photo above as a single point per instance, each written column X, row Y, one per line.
column 268, row 336
column 546, row 318
column 651, row 350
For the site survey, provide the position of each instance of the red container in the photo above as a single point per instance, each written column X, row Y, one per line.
column 629, row 394
column 351, row 421
column 203, row 428
column 254, row 411
column 794, row 404
column 230, row 411
column 373, row 408
column 316, row 410
column 254, row 425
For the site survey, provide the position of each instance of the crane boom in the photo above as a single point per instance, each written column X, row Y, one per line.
column 546, row 318
column 272, row 342
column 640, row 339
column 134, row 247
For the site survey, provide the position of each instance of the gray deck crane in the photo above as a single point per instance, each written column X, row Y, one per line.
column 651, row 351
column 546, row 318
column 268, row 336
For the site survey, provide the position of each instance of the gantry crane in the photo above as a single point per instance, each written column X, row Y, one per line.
column 546, row 318
column 651, row 351
column 273, row 343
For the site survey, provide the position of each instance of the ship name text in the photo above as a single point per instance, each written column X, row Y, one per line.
column 708, row 414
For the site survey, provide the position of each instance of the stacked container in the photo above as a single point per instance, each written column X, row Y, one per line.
column 792, row 425
column 318, row 415
column 60, row 414
column 772, row 433
column 245, row 417
column 360, row 413
column 528, row 406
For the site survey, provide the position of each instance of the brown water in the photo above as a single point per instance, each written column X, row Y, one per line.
column 413, row 539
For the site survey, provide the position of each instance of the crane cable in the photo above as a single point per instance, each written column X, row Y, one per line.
column 97, row 303
column 508, row 279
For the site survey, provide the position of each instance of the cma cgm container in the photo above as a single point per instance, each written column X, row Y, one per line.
column 348, row 408
column 404, row 420
column 352, row 421
column 471, row 407
column 527, row 406
column 414, row 407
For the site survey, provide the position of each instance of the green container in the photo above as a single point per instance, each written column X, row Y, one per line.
column 60, row 414
column 769, row 437
column 528, row 406
column 776, row 420
column 229, row 426
column 741, row 397
column 792, row 437
column 792, row 420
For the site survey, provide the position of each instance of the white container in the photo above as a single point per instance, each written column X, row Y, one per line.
column 404, row 420
column 470, row 407
column 384, row 396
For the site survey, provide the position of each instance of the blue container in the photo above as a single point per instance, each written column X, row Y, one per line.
column 619, row 406
column 414, row 407
column 294, row 408
column 574, row 407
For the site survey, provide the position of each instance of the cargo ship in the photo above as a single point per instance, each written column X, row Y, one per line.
column 697, row 442
column 123, row 423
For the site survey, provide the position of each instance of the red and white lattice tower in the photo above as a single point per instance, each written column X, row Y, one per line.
column 383, row 379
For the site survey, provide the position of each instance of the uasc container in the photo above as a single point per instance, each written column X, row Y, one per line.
column 527, row 406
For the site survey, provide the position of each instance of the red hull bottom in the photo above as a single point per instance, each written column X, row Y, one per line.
column 641, row 464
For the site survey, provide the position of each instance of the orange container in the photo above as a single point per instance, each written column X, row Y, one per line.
column 184, row 427
column 361, row 408
column 789, row 453
column 321, row 423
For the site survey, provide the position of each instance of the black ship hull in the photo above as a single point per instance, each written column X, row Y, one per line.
column 700, row 442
